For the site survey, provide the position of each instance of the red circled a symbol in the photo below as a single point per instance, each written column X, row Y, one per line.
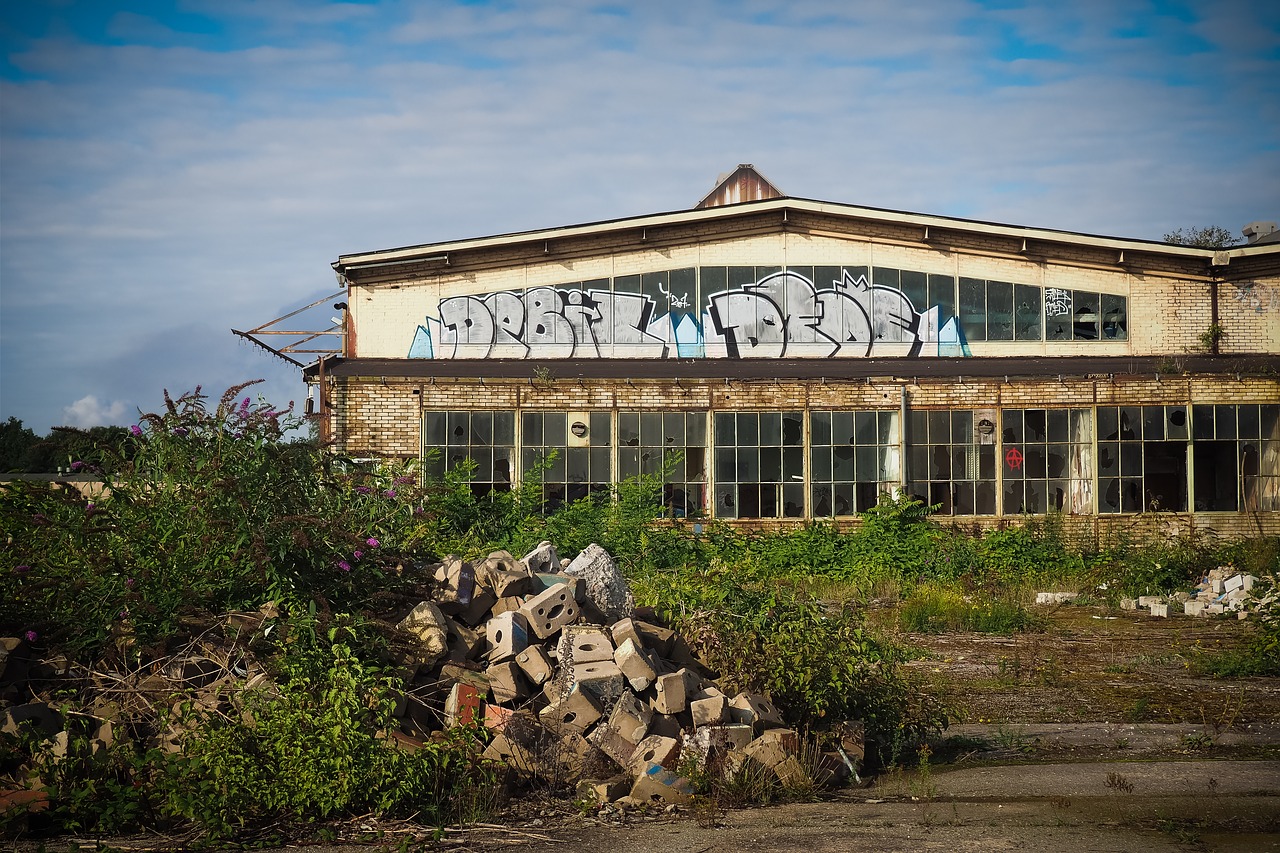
column 1014, row 457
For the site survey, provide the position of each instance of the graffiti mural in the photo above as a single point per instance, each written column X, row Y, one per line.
column 783, row 314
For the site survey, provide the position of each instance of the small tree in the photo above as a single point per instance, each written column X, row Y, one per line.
column 1209, row 237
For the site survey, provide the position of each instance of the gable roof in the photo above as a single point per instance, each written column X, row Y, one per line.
column 741, row 185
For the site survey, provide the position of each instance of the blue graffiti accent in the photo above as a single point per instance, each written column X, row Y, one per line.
column 688, row 337
column 422, row 345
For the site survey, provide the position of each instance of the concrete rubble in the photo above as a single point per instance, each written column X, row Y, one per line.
column 1222, row 591
column 550, row 660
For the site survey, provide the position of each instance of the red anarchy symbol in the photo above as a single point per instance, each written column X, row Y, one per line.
column 1014, row 458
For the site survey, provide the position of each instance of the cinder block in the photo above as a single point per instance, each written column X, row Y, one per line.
column 550, row 610
column 630, row 718
column 519, row 758
column 575, row 711
column 655, row 637
column 1128, row 604
column 1148, row 600
column 457, row 585
column 612, row 744
column 754, row 710
column 535, row 664
column 600, row 678
column 1193, row 608
column 584, row 644
column 506, row 684
column 670, row 697
column 1214, row 609
column 634, row 665
column 659, row 784
column 623, row 630
column 601, row 791
column 507, row 635
column 712, row 711
column 479, row 609
column 654, row 749
column 510, row 584
column 1161, row 610
column 464, row 643
column 773, row 747
column 506, row 604
column 791, row 772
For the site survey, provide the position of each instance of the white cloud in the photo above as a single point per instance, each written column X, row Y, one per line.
column 89, row 411
column 158, row 195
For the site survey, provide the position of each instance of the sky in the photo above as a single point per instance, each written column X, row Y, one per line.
column 172, row 170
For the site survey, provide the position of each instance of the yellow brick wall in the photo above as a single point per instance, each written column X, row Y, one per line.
column 1167, row 315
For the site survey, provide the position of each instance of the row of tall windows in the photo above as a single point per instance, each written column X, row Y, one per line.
column 1106, row 459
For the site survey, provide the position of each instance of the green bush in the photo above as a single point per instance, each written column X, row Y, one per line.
column 817, row 663
column 314, row 750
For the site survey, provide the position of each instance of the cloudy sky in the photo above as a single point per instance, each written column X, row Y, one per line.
column 172, row 170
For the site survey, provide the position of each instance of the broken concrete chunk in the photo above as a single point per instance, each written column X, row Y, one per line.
column 623, row 630
column 550, row 610
column 606, row 588
column 457, row 586
column 40, row 717
column 1056, row 597
column 612, row 744
column 773, row 747
column 427, row 622
column 542, row 559
column 479, row 609
column 655, row 637
column 1161, row 610
column 464, row 643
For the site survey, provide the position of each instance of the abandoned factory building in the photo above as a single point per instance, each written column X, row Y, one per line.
column 780, row 358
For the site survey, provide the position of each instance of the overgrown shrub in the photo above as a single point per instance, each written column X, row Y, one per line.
column 317, row 748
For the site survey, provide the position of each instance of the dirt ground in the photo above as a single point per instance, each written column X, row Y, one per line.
column 1093, row 735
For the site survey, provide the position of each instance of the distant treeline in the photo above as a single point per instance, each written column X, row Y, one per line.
column 100, row 447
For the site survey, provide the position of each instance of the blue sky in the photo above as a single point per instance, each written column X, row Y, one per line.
column 171, row 170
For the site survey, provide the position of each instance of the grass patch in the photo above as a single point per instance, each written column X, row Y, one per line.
column 934, row 609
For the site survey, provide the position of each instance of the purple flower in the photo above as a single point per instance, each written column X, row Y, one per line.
column 32, row 636
column 76, row 466
column 180, row 431
column 371, row 542
column 391, row 493
column 135, row 429
column 40, row 518
column 244, row 405
column 403, row 481
column 129, row 582
column 344, row 565
column 357, row 554
column 273, row 414
column 363, row 490
column 88, row 507
column 21, row 570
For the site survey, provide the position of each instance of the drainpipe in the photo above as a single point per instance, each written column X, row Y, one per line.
column 902, row 439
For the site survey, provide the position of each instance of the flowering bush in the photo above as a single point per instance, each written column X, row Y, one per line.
column 211, row 509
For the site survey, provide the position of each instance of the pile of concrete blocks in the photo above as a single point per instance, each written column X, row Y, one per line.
column 1223, row 590
column 551, row 656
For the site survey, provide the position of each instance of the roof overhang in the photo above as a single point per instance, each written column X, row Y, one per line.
column 442, row 252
